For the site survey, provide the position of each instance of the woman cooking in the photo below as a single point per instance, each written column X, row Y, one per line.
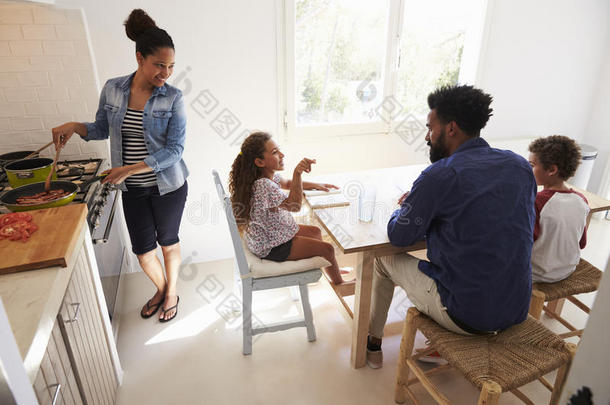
column 145, row 120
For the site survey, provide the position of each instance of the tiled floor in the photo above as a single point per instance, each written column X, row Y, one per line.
column 196, row 359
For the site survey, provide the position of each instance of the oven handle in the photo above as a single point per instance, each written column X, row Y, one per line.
column 104, row 239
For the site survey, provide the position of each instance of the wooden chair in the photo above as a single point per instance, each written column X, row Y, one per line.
column 585, row 279
column 493, row 363
column 257, row 274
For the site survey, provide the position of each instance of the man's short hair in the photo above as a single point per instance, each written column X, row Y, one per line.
column 557, row 150
column 466, row 105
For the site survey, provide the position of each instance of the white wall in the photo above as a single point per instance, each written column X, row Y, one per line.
column 541, row 64
column 592, row 356
column 597, row 131
column 46, row 78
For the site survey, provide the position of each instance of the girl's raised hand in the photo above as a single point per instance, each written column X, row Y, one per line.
column 304, row 166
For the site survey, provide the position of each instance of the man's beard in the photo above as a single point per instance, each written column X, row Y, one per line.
column 439, row 150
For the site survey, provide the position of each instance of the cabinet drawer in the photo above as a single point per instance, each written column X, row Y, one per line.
column 55, row 383
column 83, row 332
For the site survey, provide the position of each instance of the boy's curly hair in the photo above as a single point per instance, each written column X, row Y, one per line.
column 466, row 105
column 557, row 150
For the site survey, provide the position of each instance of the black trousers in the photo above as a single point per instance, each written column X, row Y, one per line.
column 153, row 218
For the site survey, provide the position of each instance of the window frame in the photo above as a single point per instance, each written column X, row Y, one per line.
column 475, row 45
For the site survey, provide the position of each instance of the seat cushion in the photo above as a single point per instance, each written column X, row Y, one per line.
column 268, row 268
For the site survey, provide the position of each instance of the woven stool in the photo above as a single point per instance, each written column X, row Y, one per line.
column 585, row 279
column 493, row 363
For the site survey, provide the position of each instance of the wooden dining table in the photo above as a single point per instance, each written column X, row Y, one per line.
column 369, row 240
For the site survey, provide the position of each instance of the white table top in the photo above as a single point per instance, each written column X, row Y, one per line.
column 342, row 223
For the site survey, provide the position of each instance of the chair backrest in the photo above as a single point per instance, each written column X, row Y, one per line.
column 242, row 263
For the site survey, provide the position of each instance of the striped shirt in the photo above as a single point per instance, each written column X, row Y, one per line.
column 134, row 148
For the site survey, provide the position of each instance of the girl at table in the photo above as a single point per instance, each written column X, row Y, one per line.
column 262, row 210
column 144, row 118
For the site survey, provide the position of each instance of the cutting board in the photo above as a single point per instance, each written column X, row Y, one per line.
column 51, row 245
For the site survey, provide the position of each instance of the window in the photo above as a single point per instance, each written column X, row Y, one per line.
column 361, row 66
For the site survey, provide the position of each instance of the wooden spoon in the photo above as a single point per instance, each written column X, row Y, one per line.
column 47, row 183
column 37, row 151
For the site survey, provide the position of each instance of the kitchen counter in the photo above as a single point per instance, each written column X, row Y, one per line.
column 32, row 300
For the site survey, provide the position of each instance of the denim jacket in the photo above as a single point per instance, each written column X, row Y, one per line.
column 164, row 124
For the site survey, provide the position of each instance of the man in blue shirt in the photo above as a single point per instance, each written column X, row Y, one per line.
column 474, row 205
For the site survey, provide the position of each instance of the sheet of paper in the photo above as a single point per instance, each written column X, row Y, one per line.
column 327, row 201
column 311, row 193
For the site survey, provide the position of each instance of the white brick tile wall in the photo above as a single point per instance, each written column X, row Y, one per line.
column 8, row 32
column 74, row 17
column 84, row 93
column 58, row 48
column 86, row 77
column 15, row 15
column 92, row 106
column 26, row 48
column 76, row 62
column 12, row 110
column 86, row 117
column 49, row 16
column 17, row 138
column 81, row 48
column 41, row 108
column 13, row 64
column 70, row 32
column 52, row 94
column 17, row 95
column 38, row 32
column 40, row 137
column 26, row 123
column 64, row 78
column 45, row 63
column 46, row 77
column 71, row 107
column 8, row 80
column 4, row 48
column 57, row 120
column 29, row 79
column 70, row 149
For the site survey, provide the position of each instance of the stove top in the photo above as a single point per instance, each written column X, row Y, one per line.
column 77, row 171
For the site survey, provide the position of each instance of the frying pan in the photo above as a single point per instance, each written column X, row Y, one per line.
column 9, row 199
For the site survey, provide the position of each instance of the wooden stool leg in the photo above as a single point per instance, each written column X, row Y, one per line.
column 562, row 375
column 557, row 305
column 536, row 304
column 490, row 393
column 406, row 348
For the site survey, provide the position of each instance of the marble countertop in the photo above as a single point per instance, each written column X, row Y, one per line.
column 32, row 300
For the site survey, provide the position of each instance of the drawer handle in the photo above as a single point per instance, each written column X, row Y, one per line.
column 56, row 395
column 77, row 305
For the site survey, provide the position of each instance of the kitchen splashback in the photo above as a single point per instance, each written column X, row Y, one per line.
column 47, row 77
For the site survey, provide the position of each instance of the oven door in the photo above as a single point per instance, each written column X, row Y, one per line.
column 109, row 252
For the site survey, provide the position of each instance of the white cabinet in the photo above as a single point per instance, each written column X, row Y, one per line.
column 77, row 366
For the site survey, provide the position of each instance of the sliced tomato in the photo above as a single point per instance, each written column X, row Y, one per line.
column 14, row 217
column 21, row 229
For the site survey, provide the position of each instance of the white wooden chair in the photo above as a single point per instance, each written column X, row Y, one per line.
column 257, row 274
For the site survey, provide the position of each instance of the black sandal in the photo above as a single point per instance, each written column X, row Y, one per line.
column 163, row 311
column 149, row 306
